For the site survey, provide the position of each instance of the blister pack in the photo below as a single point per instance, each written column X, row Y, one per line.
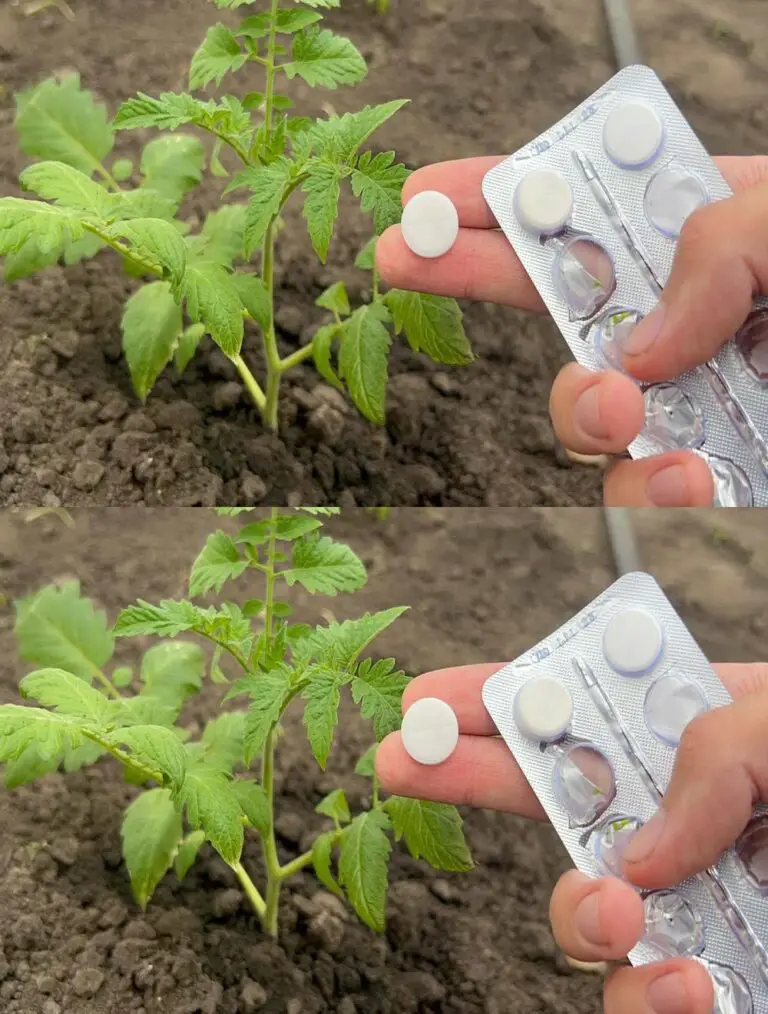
column 593, row 715
column 594, row 208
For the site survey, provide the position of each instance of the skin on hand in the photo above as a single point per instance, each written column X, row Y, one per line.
column 721, row 263
column 721, row 770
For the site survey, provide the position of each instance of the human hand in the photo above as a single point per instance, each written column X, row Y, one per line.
column 720, row 265
column 721, row 771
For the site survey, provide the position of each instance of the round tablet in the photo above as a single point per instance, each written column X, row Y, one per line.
column 633, row 135
column 632, row 641
column 543, row 202
column 430, row 224
column 430, row 731
column 543, row 709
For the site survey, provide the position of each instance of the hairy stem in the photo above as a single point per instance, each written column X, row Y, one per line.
column 252, row 385
column 251, row 890
column 146, row 267
column 268, row 757
column 147, row 774
column 305, row 352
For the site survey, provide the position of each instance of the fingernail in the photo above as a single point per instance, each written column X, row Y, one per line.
column 587, row 920
column 668, row 487
column 586, row 414
column 646, row 839
column 645, row 333
column 669, row 995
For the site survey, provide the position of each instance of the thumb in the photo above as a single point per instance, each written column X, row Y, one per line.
column 720, row 265
column 720, row 773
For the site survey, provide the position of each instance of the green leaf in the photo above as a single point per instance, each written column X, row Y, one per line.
column 366, row 766
column 58, row 120
column 378, row 689
column 321, row 713
column 432, row 324
column 213, row 300
column 288, row 22
column 254, row 804
column 253, row 607
column 321, row 58
column 173, row 165
column 431, row 830
column 322, row 511
column 167, row 112
column 187, row 853
column 267, row 183
column 28, row 767
column 363, row 866
column 167, row 620
column 335, row 299
column 157, row 241
column 335, row 806
column 290, row 527
column 156, row 748
column 363, row 360
column 321, row 205
column 141, row 203
column 35, row 232
column 232, row 3
column 67, row 694
column 341, row 136
column 173, row 671
column 322, row 344
column 268, row 692
column 60, row 628
column 212, row 805
column 324, row 566
column 151, row 831
column 322, row 850
column 222, row 741
column 339, row 645
column 378, row 183
column 75, row 758
column 319, row 3
column 146, row 709
column 49, row 732
column 122, row 169
column 186, row 346
column 366, row 259
column 151, row 324
column 219, row 54
column 67, row 187
column 218, row 562
column 122, row 676
column 221, row 238
column 254, row 297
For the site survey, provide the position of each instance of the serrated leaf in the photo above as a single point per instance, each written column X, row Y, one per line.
column 223, row 739
column 168, row 111
column 290, row 527
column 324, row 566
column 287, row 22
column 167, row 619
column 219, row 561
column 186, row 346
column 141, row 203
column 323, row 511
column 254, row 297
column 173, row 671
column 339, row 645
column 211, row 805
column 49, row 732
column 366, row 259
column 341, row 136
column 431, row 830
column 154, row 747
column 254, row 804
column 335, row 806
column 322, row 852
column 58, row 120
column 268, row 184
column 151, row 324
column 187, row 853
column 322, row 188
column 378, row 183
column 366, row 766
column 218, row 54
column 335, row 299
column 321, row 713
column 378, row 689
column 320, row 3
column 156, row 241
column 150, row 833
column 28, row 767
column 320, row 57
column 213, row 300
column 146, row 709
column 66, row 187
column 432, row 324
column 36, row 233
column 363, row 360
column 67, row 694
column 60, row 628
column 363, row 866
column 173, row 165
column 268, row 693
column 322, row 344
column 221, row 238
column 75, row 758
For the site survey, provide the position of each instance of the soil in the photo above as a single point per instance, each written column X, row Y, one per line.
column 483, row 585
column 73, row 433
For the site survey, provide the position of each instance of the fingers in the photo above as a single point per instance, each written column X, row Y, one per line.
column 720, row 773
column 461, row 687
column 462, row 181
column 675, row 479
column 669, row 987
column 595, row 920
column 595, row 413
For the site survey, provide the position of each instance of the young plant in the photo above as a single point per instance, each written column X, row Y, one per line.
column 204, row 789
column 205, row 283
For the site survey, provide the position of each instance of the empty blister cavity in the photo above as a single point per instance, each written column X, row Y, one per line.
column 632, row 642
column 584, row 275
column 584, row 784
column 672, row 702
column 633, row 135
column 612, row 841
column 752, row 853
column 430, row 224
column 672, row 418
column 672, row 925
column 732, row 487
column 611, row 334
column 732, row 995
column 430, row 731
column 543, row 709
column 752, row 343
column 671, row 198
column 543, row 202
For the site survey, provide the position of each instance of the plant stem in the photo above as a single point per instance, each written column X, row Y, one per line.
column 251, row 890
column 375, row 794
column 124, row 758
column 297, row 357
column 252, row 385
column 295, row 865
column 108, row 685
column 375, row 295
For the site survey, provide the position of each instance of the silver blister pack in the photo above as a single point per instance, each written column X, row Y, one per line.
column 594, row 208
column 593, row 715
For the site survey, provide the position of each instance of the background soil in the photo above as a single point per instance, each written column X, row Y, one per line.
column 484, row 78
column 483, row 585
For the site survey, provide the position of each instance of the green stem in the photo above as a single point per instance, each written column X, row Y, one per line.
column 375, row 295
column 147, row 774
column 305, row 352
column 108, row 178
column 108, row 685
column 269, row 95
column 295, row 865
column 252, row 385
column 375, row 795
column 268, row 757
column 251, row 890
column 146, row 267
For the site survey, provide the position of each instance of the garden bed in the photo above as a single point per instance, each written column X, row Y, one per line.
column 483, row 79
column 482, row 585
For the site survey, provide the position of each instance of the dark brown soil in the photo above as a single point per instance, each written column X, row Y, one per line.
column 484, row 78
column 483, row 584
